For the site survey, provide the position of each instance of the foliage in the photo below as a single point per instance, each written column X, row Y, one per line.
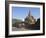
column 15, row 22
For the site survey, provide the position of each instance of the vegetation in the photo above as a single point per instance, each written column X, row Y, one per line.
column 35, row 26
column 15, row 22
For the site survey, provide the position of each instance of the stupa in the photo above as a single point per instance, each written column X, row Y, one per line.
column 30, row 19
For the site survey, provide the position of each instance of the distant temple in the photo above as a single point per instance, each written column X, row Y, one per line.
column 30, row 19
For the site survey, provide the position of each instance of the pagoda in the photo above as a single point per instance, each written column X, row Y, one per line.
column 30, row 19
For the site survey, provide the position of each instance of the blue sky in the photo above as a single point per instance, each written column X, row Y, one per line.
column 22, row 12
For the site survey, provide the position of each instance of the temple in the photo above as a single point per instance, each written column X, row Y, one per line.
column 30, row 19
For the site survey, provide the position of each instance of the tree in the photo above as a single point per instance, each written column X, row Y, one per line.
column 38, row 21
column 37, row 24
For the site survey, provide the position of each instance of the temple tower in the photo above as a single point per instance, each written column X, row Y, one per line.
column 30, row 19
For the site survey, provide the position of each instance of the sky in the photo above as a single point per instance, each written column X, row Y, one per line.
column 22, row 12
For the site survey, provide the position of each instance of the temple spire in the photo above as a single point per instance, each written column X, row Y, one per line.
column 29, row 13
